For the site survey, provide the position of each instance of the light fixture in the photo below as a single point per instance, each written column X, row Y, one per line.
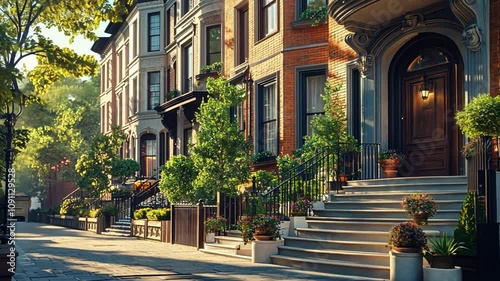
column 424, row 90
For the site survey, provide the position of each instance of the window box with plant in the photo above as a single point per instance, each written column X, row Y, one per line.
column 390, row 160
column 212, row 70
column 420, row 206
column 317, row 15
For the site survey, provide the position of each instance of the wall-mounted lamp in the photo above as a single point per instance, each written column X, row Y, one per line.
column 424, row 90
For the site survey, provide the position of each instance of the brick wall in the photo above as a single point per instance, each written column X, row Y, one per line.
column 495, row 47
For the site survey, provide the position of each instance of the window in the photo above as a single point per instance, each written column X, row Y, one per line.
column 134, row 97
column 163, row 148
column 154, row 32
column 237, row 116
column 309, row 4
column 267, row 125
column 187, row 5
column 135, row 48
column 126, row 101
column 148, row 155
column 188, row 140
column 269, row 17
column 213, row 44
column 188, row 68
column 242, row 36
column 153, row 89
column 311, row 87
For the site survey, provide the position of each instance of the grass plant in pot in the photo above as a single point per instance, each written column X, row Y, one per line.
column 420, row 207
column 441, row 251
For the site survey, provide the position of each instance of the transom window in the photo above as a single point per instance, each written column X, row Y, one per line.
column 428, row 58
column 154, row 32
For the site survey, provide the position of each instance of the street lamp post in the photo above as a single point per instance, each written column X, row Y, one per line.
column 13, row 109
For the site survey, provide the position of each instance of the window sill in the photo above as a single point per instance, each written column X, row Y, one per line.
column 266, row 37
column 305, row 23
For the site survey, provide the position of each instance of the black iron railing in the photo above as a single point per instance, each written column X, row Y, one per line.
column 148, row 197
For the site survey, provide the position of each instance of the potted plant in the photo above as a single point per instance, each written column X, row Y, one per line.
column 440, row 255
column 407, row 237
column 316, row 14
column 301, row 206
column 420, row 206
column 390, row 160
column 260, row 227
column 406, row 241
column 214, row 225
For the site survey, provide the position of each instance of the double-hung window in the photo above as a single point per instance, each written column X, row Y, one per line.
column 267, row 114
column 213, row 44
column 310, row 101
column 269, row 17
column 154, row 32
column 188, row 68
column 242, row 36
column 153, row 89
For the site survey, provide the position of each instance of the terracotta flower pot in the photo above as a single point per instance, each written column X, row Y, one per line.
column 420, row 219
column 390, row 167
column 262, row 237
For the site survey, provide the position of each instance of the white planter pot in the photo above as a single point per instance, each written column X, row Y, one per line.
column 442, row 274
column 210, row 237
column 262, row 250
column 285, row 228
column 406, row 266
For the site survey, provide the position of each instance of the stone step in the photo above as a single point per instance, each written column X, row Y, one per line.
column 386, row 204
column 406, row 187
column 328, row 244
column 372, row 258
column 214, row 252
column 394, row 195
column 381, row 213
column 357, row 271
column 230, row 249
column 118, row 230
column 407, row 180
column 113, row 233
column 228, row 240
column 121, row 226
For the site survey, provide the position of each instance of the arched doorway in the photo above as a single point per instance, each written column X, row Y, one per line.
column 424, row 128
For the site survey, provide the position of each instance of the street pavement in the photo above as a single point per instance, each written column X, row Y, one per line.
column 52, row 253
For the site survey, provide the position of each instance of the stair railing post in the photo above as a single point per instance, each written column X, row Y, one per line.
column 254, row 197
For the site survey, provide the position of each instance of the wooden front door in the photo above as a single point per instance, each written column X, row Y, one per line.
column 427, row 130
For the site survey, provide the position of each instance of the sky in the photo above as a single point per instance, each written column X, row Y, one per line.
column 80, row 45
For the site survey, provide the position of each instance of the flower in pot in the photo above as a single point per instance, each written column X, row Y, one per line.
column 215, row 224
column 260, row 227
column 407, row 237
column 390, row 160
column 301, row 206
column 441, row 251
column 420, row 206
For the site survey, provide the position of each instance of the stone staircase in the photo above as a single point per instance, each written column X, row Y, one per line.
column 119, row 228
column 348, row 236
column 231, row 245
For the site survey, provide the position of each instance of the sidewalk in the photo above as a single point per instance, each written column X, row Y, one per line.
column 51, row 253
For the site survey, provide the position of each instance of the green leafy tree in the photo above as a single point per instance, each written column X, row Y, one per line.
column 124, row 168
column 221, row 154
column 96, row 165
column 21, row 36
column 177, row 177
column 480, row 117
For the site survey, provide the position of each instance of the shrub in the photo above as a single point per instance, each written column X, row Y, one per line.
column 480, row 117
column 94, row 213
column 71, row 206
column 419, row 204
column 466, row 229
column 158, row 214
column 141, row 214
column 215, row 224
column 407, row 234
column 260, row 224
column 109, row 211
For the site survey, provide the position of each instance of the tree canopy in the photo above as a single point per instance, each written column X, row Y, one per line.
column 21, row 24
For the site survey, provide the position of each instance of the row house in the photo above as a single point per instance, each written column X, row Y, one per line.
column 133, row 71
column 383, row 53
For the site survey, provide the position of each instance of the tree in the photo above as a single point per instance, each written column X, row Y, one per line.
column 96, row 165
column 221, row 154
column 21, row 36
column 124, row 169
column 177, row 177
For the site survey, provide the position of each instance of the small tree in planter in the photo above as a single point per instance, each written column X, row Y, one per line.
column 480, row 117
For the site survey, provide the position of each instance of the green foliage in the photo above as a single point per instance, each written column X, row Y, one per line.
column 262, row 156
column 124, row 168
column 480, row 117
column 177, row 177
column 465, row 231
column 95, row 166
column 215, row 224
column 316, row 14
column 72, row 206
column 221, row 154
column 214, row 67
column 265, row 180
column 407, row 234
column 108, row 211
column 419, row 204
column 95, row 213
column 259, row 224
column 161, row 214
column 445, row 245
column 141, row 214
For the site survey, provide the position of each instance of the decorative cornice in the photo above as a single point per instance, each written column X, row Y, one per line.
column 412, row 21
column 466, row 15
column 472, row 38
column 340, row 10
column 365, row 64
